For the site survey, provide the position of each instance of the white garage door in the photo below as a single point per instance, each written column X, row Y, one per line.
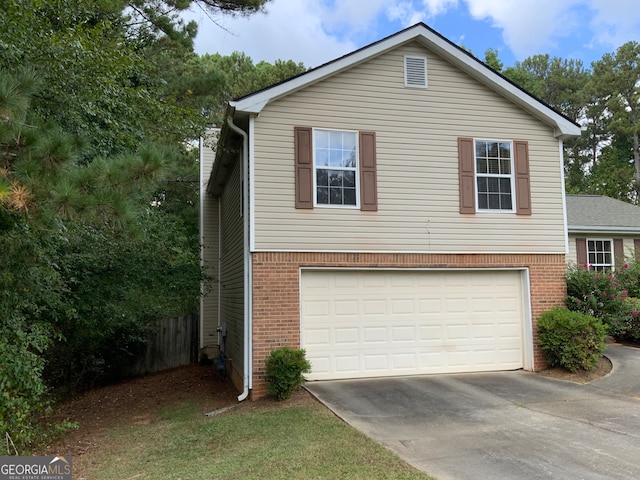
column 381, row 323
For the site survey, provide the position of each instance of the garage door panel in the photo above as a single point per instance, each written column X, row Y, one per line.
column 381, row 323
column 318, row 336
column 347, row 336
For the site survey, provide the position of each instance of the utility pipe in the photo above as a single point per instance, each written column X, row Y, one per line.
column 247, row 256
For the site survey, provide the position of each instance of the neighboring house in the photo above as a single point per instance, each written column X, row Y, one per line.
column 397, row 211
column 602, row 231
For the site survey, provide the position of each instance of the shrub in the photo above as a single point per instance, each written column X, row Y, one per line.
column 610, row 297
column 626, row 325
column 572, row 340
column 598, row 294
column 285, row 368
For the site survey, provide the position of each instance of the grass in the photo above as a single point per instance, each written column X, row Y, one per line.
column 284, row 442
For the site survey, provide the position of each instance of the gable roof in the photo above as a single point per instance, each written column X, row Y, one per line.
column 563, row 127
column 600, row 214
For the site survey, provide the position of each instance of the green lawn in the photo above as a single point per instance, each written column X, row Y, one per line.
column 284, row 442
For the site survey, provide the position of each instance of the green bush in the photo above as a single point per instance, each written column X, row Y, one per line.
column 626, row 325
column 285, row 368
column 572, row 340
column 611, row 297
column 598, row 294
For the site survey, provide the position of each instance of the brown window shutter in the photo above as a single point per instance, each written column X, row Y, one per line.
column 636, row 248
column 618, row 251
column 303, row 146
column 523, row 183
column 581, row 251
column 466, row 174
column 368, row 176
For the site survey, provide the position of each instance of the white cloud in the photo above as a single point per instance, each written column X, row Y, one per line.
column 290, row 30
column 615, row 22
column 438, row 7
column 528, row 26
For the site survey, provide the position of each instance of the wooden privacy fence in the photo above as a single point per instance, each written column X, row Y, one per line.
column 170, row 343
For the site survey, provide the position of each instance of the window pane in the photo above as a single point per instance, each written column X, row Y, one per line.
column 505, row 166
column 494, row 202
column 349, row 196
column 322, row 158
column 482, row 184
column 505, row 185
column 349, row 179
column 492, row 149
column 505, row 203
column 323, row 195
column 322, row 178
column 322, row 139
column 493, row 166
column 481, row 149
column 335, row 140
column 349, row 141
column 482, row 165
column 335, row 158
column 483, row 201
column 349, row 158
column 505, row 150
column 492, row 184
column 335, row 178
column 592, row 257
column 335, row 196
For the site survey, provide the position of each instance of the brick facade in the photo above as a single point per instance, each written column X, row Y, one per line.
column 276, row 294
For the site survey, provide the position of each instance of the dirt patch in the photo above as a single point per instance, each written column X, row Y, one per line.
column 136, row 402
column 581, row 376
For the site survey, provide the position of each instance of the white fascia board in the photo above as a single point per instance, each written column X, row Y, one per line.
column 562, row 127
column 600, row 230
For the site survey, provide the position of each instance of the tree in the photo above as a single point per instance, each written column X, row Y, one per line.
column 616, row 82
column 492, row 60
column 613, row 175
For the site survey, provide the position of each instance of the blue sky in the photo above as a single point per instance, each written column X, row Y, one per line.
column 316, row 31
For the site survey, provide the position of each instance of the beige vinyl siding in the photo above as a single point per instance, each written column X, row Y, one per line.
column 417, row 159
column 210, row 248
column 627, row 241
column 232, row 270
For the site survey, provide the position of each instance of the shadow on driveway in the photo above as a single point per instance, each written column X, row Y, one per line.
column 505, row 425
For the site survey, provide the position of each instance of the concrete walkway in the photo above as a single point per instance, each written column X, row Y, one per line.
column 505, row 425
column 625, row 375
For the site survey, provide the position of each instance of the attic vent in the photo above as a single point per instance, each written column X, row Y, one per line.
column 415, row 72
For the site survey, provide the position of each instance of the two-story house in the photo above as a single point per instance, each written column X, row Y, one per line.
column 397, row 211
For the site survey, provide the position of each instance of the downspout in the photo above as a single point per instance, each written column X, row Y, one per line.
column 564, row 200
column 247, row 257
column 202, row 193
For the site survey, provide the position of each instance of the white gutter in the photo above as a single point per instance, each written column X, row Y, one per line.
column 247, row 259
column 613, row 230
column 564, row 199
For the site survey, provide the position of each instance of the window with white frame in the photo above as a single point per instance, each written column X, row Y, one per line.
column 494, row 175
column 600, row 254
column 336, row 167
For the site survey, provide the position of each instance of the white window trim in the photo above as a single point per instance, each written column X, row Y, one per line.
column 610, row 266
column 406, row 79
column 357, row 170
column 510, row 176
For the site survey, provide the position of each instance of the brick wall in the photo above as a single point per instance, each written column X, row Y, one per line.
column 276, row 295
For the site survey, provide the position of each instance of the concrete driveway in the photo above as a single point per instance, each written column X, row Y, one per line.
column 506, row 425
